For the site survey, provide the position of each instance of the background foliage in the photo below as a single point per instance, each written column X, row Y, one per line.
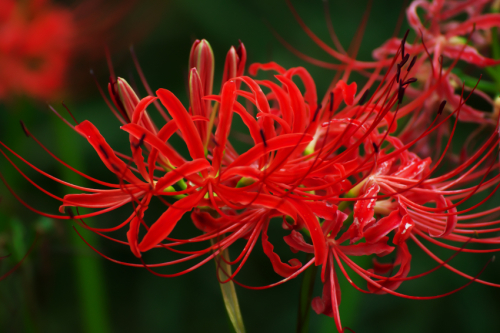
column 45, row 294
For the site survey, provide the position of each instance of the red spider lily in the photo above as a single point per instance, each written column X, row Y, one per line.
column 406, row 220
column 214, row 188
column 412, row 171
column 445, row 37
column 270, row 163
column 334, row 171
column 442, row 34
column 403, row 204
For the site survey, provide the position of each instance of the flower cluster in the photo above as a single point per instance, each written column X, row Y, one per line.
column 446, row 38
column 338, row 172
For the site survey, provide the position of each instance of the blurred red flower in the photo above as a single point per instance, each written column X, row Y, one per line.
column 40, row 41
column 35, row 47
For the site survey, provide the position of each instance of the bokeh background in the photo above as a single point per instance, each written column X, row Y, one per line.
column 64, row 286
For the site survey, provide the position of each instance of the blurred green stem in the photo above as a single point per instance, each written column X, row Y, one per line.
column 228, row 291
column 30, row 312
column 495, row 49
column 305, row 297
column 88, row 272
column 472, row 82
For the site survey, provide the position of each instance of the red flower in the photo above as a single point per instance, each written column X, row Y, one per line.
column 413, row 205
column 334, row 171
column 213, row 187
column 34, row 48
column 445, row 37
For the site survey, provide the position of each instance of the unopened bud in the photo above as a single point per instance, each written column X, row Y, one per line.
column 235, row 63
column 202, row 58
column 198, row 106
column 127, row 96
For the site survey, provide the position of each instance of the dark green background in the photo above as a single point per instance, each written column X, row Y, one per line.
column 43, row 296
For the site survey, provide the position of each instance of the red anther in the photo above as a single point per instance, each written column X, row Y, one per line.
column 25, row 130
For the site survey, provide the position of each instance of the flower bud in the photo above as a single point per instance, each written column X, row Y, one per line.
column 124, row 98
column 235, row 63
column 127, row 96
column 202, row 58
column 198, row 106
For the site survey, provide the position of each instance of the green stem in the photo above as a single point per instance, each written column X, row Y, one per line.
column 30, row 312
column 495, row 49
column 483, row 85
column 229, row 291
column 495, row 45
column 305, row 297
column 494, row 72
column 88, row 272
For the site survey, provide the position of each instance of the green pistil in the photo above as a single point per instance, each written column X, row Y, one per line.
column 458, row 40
column 207, row 195
column 353, row 193
column 182, row 184
column 310, row 192
column 310, row 148
column 245, row 181
column 312, row 145
column 172, row 189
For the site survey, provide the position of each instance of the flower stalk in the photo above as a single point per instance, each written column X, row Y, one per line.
column 495, row 48
column 229, row 291
column 305, row 297
column 87, row 268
